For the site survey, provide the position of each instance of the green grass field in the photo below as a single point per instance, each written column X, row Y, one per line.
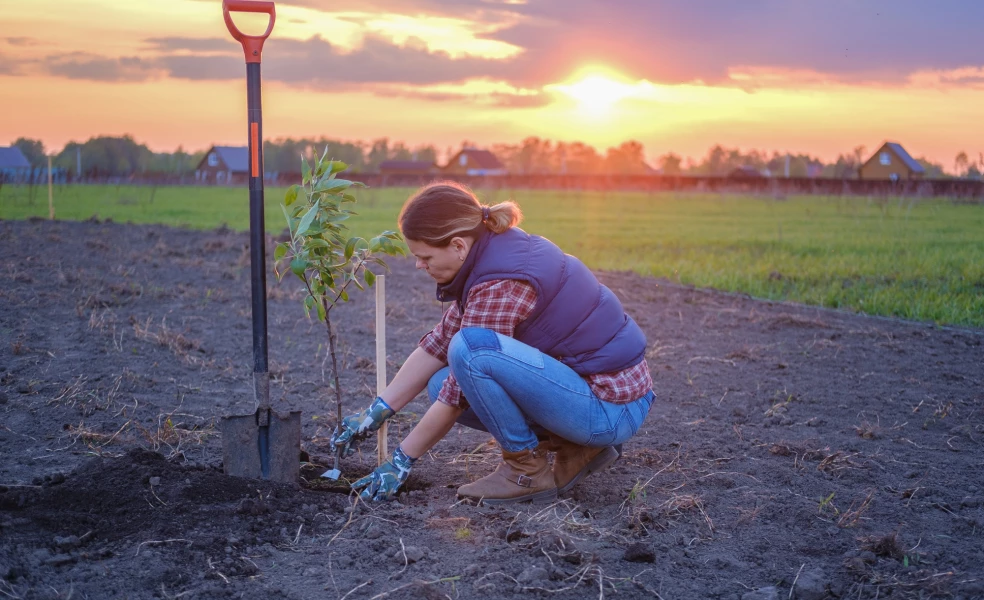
column 921, row 260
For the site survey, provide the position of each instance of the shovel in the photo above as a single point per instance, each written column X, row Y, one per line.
column 264, row 444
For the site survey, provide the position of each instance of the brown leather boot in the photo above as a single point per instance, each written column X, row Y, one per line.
column 573, row 462
column 520, row 477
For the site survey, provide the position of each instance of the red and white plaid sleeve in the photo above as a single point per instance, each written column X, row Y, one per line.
column 498, row 305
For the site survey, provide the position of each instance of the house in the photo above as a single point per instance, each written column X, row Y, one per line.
column 891, row 161
column 472, row 161
column 224, row 164
column 407, row 167
column 746, row 172
column 13, row 164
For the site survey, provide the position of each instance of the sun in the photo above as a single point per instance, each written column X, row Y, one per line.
column 596, row 94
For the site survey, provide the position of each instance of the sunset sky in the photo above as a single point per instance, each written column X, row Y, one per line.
column 813, row 76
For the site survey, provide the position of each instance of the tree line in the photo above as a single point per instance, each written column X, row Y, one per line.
column 122, row 156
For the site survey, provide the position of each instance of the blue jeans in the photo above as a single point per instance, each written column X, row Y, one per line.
column 515, row 392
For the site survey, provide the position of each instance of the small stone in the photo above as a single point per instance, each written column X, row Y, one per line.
column 811, row 585
column 374, row 533
column 3, row 398
column 639, row 552
column 68, row 542
column 59, row 560
column 868, row 556
column 311, row 572
column 155, row 481
column 57, row 479
column 533, row 575
column 971, row 502
column 412, row 553
column 23, row 389
column 766, row 593
column 472, row 569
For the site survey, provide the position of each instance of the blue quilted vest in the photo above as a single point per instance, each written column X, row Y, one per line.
column 576, row 320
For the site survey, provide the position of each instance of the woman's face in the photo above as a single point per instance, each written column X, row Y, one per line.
column 441, row 263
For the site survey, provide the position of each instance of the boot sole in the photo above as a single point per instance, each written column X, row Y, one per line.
column 602, row 461
column 544, row 497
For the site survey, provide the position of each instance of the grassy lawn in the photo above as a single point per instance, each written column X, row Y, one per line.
column 921, row 260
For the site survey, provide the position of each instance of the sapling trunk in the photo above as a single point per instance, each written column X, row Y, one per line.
column 334, row 362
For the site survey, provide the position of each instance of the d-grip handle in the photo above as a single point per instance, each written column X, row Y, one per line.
column 252, row 44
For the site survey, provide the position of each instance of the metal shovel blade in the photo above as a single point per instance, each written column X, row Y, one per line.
column 262, row 451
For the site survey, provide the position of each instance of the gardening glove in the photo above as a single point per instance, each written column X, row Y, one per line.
column 355, row 428
column 385, row 481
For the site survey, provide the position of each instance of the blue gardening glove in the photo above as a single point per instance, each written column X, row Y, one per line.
column 355, row 428
column 385, row 481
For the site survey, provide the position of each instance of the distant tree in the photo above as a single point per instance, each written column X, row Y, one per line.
column 670, row 163
column 33, row 151
column 932, row 170
column 960, row 164
column 378, row 152
column 627, row 159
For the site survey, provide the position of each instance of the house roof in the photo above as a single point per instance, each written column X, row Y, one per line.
column 12, row 158
column 745, row 171
column 910, row 162
column 482, row 158
column 407, row 165
column 236, row 158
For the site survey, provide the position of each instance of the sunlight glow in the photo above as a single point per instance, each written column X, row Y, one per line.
column 597, row 94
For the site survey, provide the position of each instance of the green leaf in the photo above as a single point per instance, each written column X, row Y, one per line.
column 370, row 277
column 305, row 171
column 316, row 243
column 280, row 251
column 291, row 195
column 348, row 197
column 338, row 166
column 322, row 313
column 286, row 216
column 332, row 186
column 350, row 248
column 298, row 266
column 307, row 219
column 344, row 296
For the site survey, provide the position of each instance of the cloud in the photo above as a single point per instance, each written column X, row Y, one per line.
column 22, row 41
column 174, row 44
column 668, row 41
column 81, row 65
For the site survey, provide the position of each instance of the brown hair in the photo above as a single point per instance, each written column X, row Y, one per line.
column 442, row 210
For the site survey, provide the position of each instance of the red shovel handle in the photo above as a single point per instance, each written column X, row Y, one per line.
column 252, row 44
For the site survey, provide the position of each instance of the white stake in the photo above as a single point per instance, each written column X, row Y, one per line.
column 51, row 200
column 382, row 449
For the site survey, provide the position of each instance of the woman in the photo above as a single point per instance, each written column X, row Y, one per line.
column 533, row 349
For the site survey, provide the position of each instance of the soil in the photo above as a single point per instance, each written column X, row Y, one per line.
column 793, row 452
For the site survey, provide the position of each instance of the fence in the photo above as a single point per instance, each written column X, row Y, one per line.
column 957, row 189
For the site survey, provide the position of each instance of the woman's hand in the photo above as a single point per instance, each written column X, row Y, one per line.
column 357, row 427
column 385, row 481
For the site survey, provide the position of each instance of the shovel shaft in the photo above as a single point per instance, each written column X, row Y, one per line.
column 257, row 228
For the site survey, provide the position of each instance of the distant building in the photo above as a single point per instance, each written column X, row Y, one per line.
column 472, row 161
column 746, row 172
column 891, row 161
column 14, row 166
column 407, row 167
column 224, row 164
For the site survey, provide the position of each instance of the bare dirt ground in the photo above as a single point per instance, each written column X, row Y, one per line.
column 793, row 452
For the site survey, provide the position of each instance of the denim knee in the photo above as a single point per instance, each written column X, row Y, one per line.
column 465, row 343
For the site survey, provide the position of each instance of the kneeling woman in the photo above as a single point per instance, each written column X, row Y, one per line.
column 533, row 349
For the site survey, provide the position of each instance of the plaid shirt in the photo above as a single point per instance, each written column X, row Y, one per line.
column 501, row 305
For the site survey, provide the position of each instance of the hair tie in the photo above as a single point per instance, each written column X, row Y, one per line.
column 485, row 214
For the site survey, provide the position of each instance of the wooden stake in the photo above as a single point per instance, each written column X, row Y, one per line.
column 382, row 447
column 51, row 200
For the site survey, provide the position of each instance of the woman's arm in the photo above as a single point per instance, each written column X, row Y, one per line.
column 433, row 426
column 411, row 379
